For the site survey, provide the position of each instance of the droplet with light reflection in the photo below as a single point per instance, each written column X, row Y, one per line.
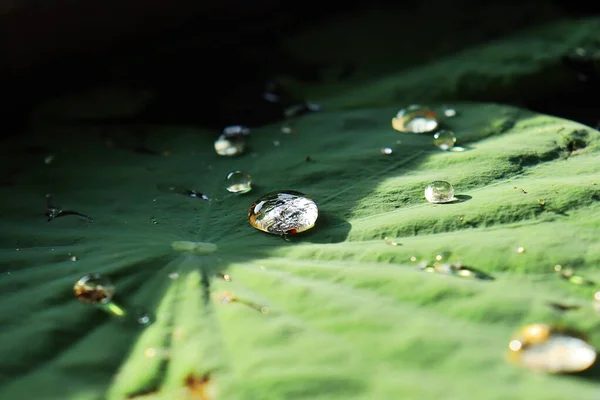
column 283, row 213
column 545, row 348
column 415, row 119
column 238, row 182
column 439, row 192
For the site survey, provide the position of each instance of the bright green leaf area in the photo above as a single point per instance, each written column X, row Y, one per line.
column 350, row 317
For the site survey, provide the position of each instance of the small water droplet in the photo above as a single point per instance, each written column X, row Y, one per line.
column 390, row 241
column 283, row 213
column 545, row 348
column 73, row 258
column 144, row 318
column 153, row 220
column 386, row 150
column 288, row 129
column 174, row 275
column 439, row 192
column 94, row 289
column 415, row 119
column 444, row 139
column 449, row 112
column 232, row 143
column 276, row 143
column 239, row 182
column 520, row 250
column 48, row 159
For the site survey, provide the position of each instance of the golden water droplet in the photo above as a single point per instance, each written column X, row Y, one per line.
column 439, row 192
column 94, row 289
column 415, row 119
column 544, row 348
column 239, row 182
column 283, row 213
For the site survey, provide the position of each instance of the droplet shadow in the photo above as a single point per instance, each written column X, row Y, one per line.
column 328, row 229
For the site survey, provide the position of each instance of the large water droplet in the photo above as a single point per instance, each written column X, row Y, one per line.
column 544, row 348
column 94, row 289
column 239, row 182
column 444, row 140
column 439, row 192
column 283, row 213
column 415, row 119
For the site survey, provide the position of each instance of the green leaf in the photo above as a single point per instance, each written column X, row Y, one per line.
column 349, row 316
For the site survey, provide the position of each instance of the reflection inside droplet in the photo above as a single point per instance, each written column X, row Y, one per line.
column 239, row 182
column 415, row 119
column 283, row 213
column 444, row 139
column 439, row 192
column 545, row 348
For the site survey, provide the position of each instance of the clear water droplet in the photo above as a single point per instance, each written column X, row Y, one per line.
column 94, row 289
column 239, row 182
column 449, row 112
column 387, row 150
column 174, row 275
column 415, row 119
column 230, row 145
column 439, row 192
column 444, row 140
column 144, row 318
column 73, row 258
column 544, row 348
column 283, row 213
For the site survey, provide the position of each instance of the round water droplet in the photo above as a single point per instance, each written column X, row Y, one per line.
column 439, row 192
column 94, row 289
column 230, row 145
column 386, row 150
column 544, row 348
column 415, row 119
column 144, row 318
column 444, row 139
column 283, row 213
column 449, row 112
column 239, row 182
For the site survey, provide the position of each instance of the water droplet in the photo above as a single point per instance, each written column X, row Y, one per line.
column 439, row 192
column 283, row 213
column 94, row 289
column 174, row 275
column 520, row 250
column 48, row 159
column 415, row 119
column 386, row 150
column 390, row 241
column 232, row 142
column 444, row 140
column 144, row 318
column 276, row 143
column 73, row 258
column 449, row 112
column 544, row 348
column 239, row 182
column 288, row 129
column 153, row 220
column 235, row 130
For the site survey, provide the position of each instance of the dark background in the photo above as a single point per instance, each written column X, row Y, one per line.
column 208, row 61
